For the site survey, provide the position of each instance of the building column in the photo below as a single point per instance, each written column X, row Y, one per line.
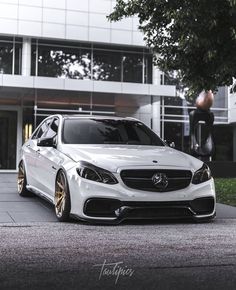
column 156, row 76
column 26, row 57
column 156, row 115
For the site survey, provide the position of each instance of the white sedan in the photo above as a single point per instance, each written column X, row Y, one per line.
column 107, row 169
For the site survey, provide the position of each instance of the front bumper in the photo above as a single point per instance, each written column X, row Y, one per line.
column 131, row 203
column 100, row 208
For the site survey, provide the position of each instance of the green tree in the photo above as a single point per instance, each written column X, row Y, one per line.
column 196, row 38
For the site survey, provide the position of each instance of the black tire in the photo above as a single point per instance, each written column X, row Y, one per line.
column 62, row 198
column 22, row 181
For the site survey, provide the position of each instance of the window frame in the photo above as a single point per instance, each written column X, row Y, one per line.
column 49, row 126
column 35, row 134
column 144, row 54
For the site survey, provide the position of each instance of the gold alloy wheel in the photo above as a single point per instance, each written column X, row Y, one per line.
column 20, row 178
column 60, row 195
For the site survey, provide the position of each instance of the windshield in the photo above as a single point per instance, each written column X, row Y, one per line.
column 108, row 131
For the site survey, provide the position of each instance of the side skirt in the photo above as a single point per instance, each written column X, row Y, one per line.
column 40, row 193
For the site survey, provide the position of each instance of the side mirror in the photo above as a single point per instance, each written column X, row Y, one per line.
column 46, row 142
column 170, row 144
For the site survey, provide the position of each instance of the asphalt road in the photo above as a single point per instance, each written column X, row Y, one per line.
column 37, row 252
column 150, row 256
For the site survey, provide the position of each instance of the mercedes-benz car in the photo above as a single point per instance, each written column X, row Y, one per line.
column 108, row 169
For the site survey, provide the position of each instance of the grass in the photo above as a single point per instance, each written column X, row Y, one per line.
column 226, row 190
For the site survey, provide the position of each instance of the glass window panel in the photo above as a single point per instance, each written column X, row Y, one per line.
column 107, row 131
column 223, row 139
column 18, row 58
column 107, row 66
column 33, row 60
column 64, row 62
column 148, row 69
column 174, row 132
column 6, row 53
column 132, row 68
column 55, row 60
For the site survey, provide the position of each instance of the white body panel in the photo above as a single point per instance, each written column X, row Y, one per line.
column 47, row 161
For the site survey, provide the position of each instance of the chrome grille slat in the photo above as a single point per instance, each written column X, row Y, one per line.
column 170, row 178
column 141, row 179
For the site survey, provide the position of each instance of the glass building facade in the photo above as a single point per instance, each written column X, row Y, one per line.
column 10, row 55
column 175, row 127
column 93, row 62
column 87, row 61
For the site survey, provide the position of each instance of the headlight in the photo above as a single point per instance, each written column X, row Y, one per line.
column 201, row 175
column 94, row 173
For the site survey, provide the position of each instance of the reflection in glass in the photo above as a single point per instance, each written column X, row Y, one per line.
column 107, row 131
column 175, row 131
column 99, row 63
column 223, row 138
column 148, row 69
column 33, row 60
column 10, row 48
column 107, row 66
column 132, row 67
column 6, row 55
column 64, row 62
column 18, row 57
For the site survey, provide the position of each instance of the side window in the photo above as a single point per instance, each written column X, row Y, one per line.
column 42, row 129
column 53, row 128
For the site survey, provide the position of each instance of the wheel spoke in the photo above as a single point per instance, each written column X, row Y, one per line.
column 63, row 182
column 60, row 195
column 21, row 178
column 20, row 181
column 63, row 205
column 60, row 206
column 60, row 185
column 59, row 201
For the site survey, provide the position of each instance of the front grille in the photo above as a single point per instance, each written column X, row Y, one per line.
column 142, row 179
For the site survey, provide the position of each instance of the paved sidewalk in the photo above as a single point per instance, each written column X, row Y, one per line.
column 16, row 209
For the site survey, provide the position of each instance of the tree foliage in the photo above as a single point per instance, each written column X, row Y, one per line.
column 197, row 38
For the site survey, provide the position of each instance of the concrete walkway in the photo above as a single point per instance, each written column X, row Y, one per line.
column 16, row 209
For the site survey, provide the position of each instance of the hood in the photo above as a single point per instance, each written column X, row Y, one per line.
column 112, row 157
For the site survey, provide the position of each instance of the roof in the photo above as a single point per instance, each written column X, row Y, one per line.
column 95, row 117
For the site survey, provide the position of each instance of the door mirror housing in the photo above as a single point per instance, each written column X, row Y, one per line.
column 170, row 143
column 47, row 142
